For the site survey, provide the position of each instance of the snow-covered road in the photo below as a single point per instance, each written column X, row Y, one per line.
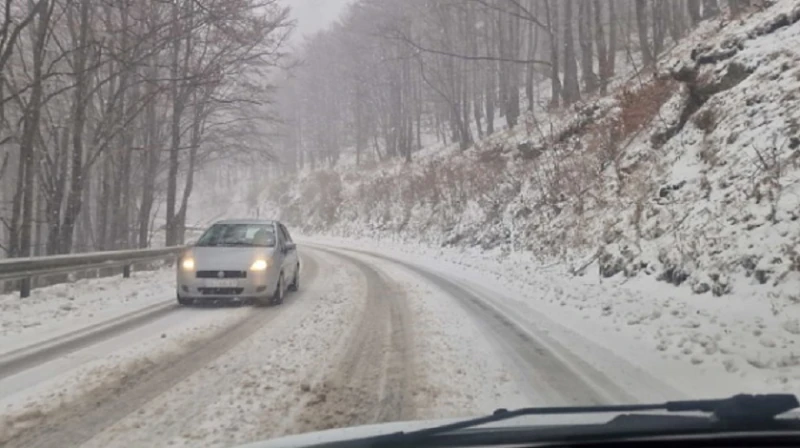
column 369, row 338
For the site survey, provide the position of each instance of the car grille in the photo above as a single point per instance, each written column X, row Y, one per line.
column 226, row 274
column 220, row 291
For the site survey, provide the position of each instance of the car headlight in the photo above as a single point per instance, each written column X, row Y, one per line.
column 187, row 264
column 259, row 265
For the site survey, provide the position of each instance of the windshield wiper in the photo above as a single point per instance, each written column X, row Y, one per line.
column 744, row 409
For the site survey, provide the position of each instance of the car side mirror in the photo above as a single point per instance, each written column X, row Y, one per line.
column 288, row 246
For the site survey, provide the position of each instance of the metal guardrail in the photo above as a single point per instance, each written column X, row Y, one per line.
column 26, row 269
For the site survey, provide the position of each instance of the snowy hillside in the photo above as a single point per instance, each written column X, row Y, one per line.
column 688, row 176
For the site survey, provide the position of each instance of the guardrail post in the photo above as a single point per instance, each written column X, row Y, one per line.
column 25, row 287
column 126, row 271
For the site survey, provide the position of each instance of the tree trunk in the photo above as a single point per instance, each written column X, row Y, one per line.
column 129, row 98
column 151, row 158
column 84, row 234
column 676, row 20
column 710, row 9
column 585, row 40
column 57, row 194
column 175, row 129
column 194, row 142
column 477, row 86
column 641, row 25
column 104, row 203
column 477, row 102
column 602, row 52
column 694, row 11
column 553, row 28
column 572, row 92
column 419, row 108
column 659, row 26
column 32, row 118
column 736, row 6
column 533, row 49
column 359, row 121
column 512, row 71
column 40, row 248
column 490, row 78
column 81, row 101
column 500, row 38
column 16, row 207
column 612, row 39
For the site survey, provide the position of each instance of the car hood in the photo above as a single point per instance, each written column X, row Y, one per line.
column 227, row 258
column 357, row 432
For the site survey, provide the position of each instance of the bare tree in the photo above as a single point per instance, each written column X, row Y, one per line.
column 694, row 11
column 571, row 92
column 585, row 39
column 641, row 25
column 602, row 49
column 612, row 39
column 660, row 16
column 88, row 85
column 710, row 9
column 676, row 24
column 553, row 21
column 532, row 44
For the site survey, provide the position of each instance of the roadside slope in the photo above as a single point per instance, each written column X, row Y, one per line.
column 690, row 177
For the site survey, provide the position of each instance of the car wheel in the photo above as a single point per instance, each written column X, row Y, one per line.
column 184, row 302
column 296, row 282
column 277, row 298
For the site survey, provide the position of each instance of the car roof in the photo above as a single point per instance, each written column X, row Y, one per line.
column 247, row 221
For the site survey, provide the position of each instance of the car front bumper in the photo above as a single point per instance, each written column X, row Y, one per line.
column 256, row 285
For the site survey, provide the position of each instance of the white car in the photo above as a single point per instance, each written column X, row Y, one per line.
column 252, row 261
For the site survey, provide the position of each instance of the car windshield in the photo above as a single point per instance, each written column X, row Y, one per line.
column 226, row 221
column 257, row 235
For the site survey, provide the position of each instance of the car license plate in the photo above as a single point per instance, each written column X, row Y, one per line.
column 220, row 283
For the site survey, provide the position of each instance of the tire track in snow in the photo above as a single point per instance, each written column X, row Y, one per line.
column 77, row 423
column 546, row 370
column 25, row 358
column 371, row 382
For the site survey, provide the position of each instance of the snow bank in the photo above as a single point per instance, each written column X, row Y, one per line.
column 55, row 310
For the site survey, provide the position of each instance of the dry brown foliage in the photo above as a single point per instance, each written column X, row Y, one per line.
column 641, row 105
column 706, row 119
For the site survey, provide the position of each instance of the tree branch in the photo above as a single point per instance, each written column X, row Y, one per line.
column 420, row 48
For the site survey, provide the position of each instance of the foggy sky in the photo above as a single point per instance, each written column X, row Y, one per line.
column 314, row 15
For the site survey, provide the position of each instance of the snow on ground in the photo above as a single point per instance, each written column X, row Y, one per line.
column 39, row 395
column 56, row 310
column 711, row 347
column 252, row 391
column 461, row 373
column 274, row 381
